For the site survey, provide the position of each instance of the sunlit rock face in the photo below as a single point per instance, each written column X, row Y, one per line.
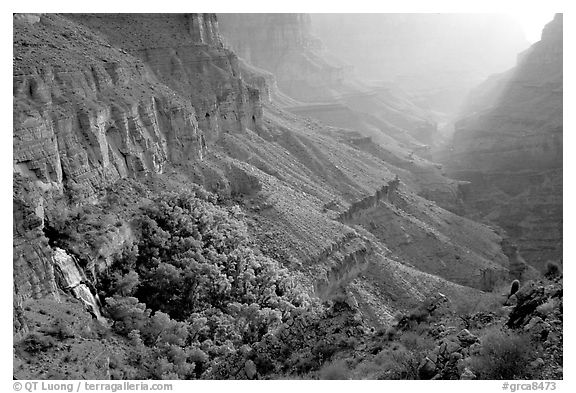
column 510, row 148
column 70, row 278
column 436, row 57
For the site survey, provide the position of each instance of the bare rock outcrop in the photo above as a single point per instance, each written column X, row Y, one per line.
column 70, row 277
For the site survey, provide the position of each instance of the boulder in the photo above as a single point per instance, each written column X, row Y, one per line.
column 250, row 369
column 474, row 349
column 466, row 338
column 539, row 362
column 461, row 366
column 538, row 328
column 467, row 374
column 427, row 369
column 529, row 298
column 448, row 346
column 455, row 357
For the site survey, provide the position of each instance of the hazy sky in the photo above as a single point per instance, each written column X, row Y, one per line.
column 533, row 23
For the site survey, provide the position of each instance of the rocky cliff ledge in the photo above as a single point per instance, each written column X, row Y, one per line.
column 512, row 151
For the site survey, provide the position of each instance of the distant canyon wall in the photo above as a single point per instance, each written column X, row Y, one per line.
column 435, row 57
column 510, row 148
column 283, row 45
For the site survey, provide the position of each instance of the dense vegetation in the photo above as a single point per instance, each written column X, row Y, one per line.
column 190, row 296
column 193, row 292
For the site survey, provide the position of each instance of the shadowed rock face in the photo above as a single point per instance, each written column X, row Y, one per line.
column 511, row 150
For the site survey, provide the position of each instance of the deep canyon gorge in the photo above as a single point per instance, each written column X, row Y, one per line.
column 245, row 196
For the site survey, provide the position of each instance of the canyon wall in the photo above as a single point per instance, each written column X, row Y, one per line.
column 510, row 149
column 326, row 90
column 88, row 113
column 282, row 44
column 85, row 115
column 185, row 52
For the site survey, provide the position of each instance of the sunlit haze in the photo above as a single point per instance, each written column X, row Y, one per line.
column 532, row 23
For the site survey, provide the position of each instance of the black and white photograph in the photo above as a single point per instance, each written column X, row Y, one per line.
column 307, row 196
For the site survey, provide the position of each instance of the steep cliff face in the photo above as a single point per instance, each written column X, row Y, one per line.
column 283, row 45
column 85, row 115
column 512, row 150
column 186, row 53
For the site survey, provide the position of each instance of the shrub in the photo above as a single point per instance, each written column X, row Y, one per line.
column 389, row 333
column 324, row 351
column 37, row 342
column 128, row 314
column 552, row 270
column 398, row 363
column 417, row 342
column 337, row 370
column 419, row 315
column 503, row 355
column 547, row 308
column 61, row 330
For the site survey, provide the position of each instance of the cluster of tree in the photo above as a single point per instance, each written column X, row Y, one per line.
column 194, row 293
